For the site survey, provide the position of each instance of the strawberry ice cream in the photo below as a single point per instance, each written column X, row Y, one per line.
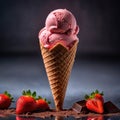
column 60, row 27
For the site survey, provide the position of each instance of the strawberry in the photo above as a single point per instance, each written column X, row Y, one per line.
column 42, row 104
column 95, row 101
column 5, row 100
column 26, row 102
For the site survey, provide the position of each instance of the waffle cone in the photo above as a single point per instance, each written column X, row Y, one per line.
column 58, row 64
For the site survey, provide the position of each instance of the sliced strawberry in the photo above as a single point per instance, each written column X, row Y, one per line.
column 26, row 102
column 94, row 102
column 95, row 105
column 42, row 104
column 5, row 100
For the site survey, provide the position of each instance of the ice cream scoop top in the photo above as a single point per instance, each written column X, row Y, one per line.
column 60, row 27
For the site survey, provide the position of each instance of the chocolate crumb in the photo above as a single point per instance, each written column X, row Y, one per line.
column 53, row 113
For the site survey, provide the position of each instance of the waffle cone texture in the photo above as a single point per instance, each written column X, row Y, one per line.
column 58, row 63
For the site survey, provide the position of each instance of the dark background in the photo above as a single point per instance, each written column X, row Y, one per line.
column 97, row 64
column 21, row 20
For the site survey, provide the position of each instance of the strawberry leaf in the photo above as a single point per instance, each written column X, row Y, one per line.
column 34, row 94
column 87, row 97
column 39, row 97
column 102, row 93
column 28, row 93
column 9, row 95
column 92, row 95
column 96, row 91
column 23, row 93
column 49, row 102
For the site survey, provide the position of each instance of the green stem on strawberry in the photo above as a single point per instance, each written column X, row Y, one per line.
column 29, row 93
column 92, row 94
column 47, row 101
column 97, row 92
column 9, row 95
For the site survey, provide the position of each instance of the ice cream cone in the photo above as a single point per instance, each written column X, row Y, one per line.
column 58, row 64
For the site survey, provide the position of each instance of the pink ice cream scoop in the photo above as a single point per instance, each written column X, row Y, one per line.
column 60, row 27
